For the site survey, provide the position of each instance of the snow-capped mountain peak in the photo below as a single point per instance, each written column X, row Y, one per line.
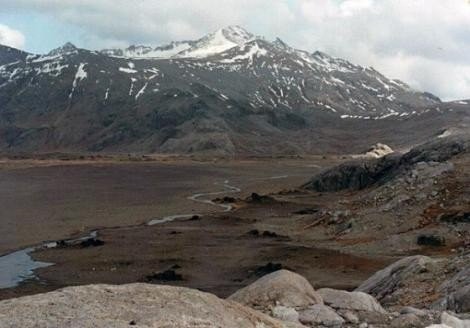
column 214, row 43
column 218, row 42
column 236, row 34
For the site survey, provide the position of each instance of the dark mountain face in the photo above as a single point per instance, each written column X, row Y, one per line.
column 229, row 92
column 10, row 55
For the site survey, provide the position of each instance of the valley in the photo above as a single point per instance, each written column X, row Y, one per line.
column 284, row 187
column 335, row 238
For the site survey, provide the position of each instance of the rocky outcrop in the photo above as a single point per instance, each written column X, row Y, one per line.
column 384, row 282
column 354, row 176
column 281, row 288
column 140, row 305
column 362, row 174
column 290, row 298
column 320, row 314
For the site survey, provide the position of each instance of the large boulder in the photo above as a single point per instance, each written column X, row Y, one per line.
column 282, row 287
column 320, row 314
column 141, row 305
column 384, row 282
column 354, row 301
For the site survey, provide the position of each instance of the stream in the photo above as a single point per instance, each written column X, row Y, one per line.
column 19, row 266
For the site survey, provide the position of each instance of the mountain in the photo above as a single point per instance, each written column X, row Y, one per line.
column 226, row 93
column 10, row 55
column 214, row 43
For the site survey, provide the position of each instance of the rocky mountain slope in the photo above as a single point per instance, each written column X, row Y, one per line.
column 229, row 92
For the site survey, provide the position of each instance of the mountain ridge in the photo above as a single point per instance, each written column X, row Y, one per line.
column 220, row 95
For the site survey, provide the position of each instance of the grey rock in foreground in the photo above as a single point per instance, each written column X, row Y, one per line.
column 356, row 301
column 138, row 305
column 450, row 321
column 290, row 298
column 282, row 287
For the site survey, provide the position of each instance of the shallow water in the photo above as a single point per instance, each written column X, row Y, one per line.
column 196, row 198
column 17, row 267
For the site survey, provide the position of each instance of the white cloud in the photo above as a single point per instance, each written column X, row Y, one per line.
column 424, row 42
column 10, row 37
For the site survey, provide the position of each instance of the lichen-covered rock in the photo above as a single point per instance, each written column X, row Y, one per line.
column 415, row 311
column 285, row 314
column 355, row 301
column 408, row 320
column 320, row 314
column 140, row 305
column 384, row 282
column 282, row 287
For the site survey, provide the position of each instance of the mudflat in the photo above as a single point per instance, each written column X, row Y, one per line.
column 334, row 239
column 49, row 200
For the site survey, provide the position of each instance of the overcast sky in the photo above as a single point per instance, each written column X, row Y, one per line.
column 426, row 43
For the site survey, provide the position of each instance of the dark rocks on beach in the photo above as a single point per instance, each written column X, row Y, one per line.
column 268, row 268
column 270, row 234
column 305, row 211
column 225, row 199
column 264, row 234
column 254, row 232
column 91, row 242
column 168, row 275
column 431, row 240
column 456, row 217
column 261, row 199
column 83, row 243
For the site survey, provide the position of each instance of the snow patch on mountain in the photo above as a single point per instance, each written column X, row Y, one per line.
column 79, row 76
column 252, row 52
column 127, row 70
